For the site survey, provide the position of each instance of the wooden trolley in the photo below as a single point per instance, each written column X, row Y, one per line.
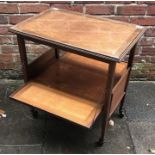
column 90, row 79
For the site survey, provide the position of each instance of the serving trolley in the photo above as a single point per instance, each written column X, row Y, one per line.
column 90, row 79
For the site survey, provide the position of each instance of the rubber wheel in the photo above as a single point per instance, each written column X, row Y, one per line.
column 121, row 115
column 99, row 143
column 34, row 113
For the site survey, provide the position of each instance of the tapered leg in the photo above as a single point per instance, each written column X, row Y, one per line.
column 24, row 62
column 23, row 57
column 130, row 63
column 106, row 107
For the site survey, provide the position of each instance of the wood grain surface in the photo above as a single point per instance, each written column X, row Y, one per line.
column 100, row 36
column 73, row 87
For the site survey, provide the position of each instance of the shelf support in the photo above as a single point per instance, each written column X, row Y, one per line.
column 106, row 106
column 130, row 64
column 23, row 56
column 24, row 62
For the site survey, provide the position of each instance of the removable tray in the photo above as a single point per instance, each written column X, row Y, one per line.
column 73, row 87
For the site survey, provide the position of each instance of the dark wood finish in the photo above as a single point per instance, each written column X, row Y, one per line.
column 24, row 62
column 22, row 50
column 108, row 96
column 130, row 63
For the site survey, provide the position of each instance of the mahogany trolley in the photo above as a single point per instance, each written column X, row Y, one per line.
column 90, row 79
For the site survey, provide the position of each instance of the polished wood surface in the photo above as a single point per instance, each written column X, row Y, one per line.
column 71, row 87
column 103, row 37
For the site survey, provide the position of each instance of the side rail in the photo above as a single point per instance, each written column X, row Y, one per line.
column 118, row 91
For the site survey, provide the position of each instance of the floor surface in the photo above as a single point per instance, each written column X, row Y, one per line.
column 135, row 133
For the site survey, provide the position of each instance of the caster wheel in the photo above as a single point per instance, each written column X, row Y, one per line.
column 99, row 143
column 121, row 114
column 34, row 113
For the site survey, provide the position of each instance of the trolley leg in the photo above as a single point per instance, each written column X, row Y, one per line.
column 100, row 142
column 121, row 111
column 106, row 107
column 24, row 62
column 23, row 57
column 130, row 63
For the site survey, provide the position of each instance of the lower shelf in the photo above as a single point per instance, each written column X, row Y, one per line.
column 72, row 87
